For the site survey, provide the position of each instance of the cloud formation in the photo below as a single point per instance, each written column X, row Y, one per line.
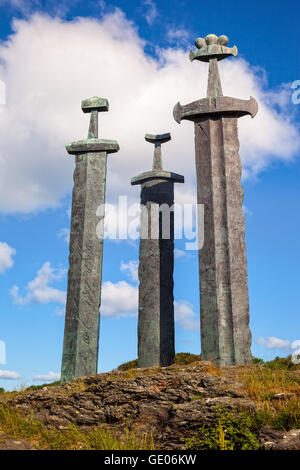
column 151, row 11
column 185, row 315
column 272, row 342
column 119, row 299
column 9, row 375
column 43, row 108
column 38, row 290
column 64, row 234
column 50, row 377
column 131, row 269
column 6, row 256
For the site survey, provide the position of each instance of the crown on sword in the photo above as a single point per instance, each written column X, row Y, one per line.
column 212, row 47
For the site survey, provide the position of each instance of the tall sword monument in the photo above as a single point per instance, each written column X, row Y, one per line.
column 224, row 304
column 80, row 349
column 156, row 261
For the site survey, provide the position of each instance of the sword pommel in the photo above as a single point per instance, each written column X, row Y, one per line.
column 158, row 138
column 157, row 171
column 92, row 144
column 94, row 104
column 212, row 47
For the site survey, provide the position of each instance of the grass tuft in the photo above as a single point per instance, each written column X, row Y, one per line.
column 16, row 425
column 228, row 432
column 264, row 382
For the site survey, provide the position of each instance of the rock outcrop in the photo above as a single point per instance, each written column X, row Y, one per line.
column 172, row 403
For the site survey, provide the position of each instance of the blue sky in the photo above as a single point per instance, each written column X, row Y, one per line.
column 135, row 53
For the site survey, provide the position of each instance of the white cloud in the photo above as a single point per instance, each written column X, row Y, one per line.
column 179, row 36
column 185, row 315
column 23, row 6
column 38, row 290
column 246, row 210
column 9, row 375
column 131, row 269
column 292, row 347
column 59, row 311
column 50, row 377
column 64, row 234
column 6, row 256
column 274, row 343
column 69, row 212
column 142, row 92
column 27, row 6
column 295, row 344
column 151, row 12
column 119, row 299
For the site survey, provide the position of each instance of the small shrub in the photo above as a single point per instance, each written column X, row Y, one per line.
column 228, row 432
column 39, row 387
column 287, row 415
column 2, row 390
column 129, row 365
column 258, row 361
column 282, row 363
column 180, row 359
column 282, row 415
column 186, row 358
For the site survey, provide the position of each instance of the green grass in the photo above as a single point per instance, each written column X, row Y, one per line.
column 228, row 432
column 282, row 415
column 16, row 425
column 264, row 382
column 129, row 365
column 39, row 387
column 277, row 363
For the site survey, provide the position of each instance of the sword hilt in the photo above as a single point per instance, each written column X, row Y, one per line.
column 157, row 140
column 94, row 105
column 212, row 47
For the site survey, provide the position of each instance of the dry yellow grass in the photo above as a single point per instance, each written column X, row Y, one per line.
column 16, row 425
column 262, row 382
column 214, row 370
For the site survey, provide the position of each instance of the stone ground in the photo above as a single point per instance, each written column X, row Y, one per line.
column 171, row 402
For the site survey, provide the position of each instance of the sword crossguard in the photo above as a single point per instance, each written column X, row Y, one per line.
column 94, row 105
column 212, row 47
column 157, row 140
column 92, row 144
column 213, row 106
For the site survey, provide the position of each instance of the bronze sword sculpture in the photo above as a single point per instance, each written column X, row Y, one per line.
column 224, row 303
column 81, row 337
column 156, row 261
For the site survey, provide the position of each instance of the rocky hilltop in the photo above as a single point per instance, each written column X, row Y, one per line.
column 171, row 403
